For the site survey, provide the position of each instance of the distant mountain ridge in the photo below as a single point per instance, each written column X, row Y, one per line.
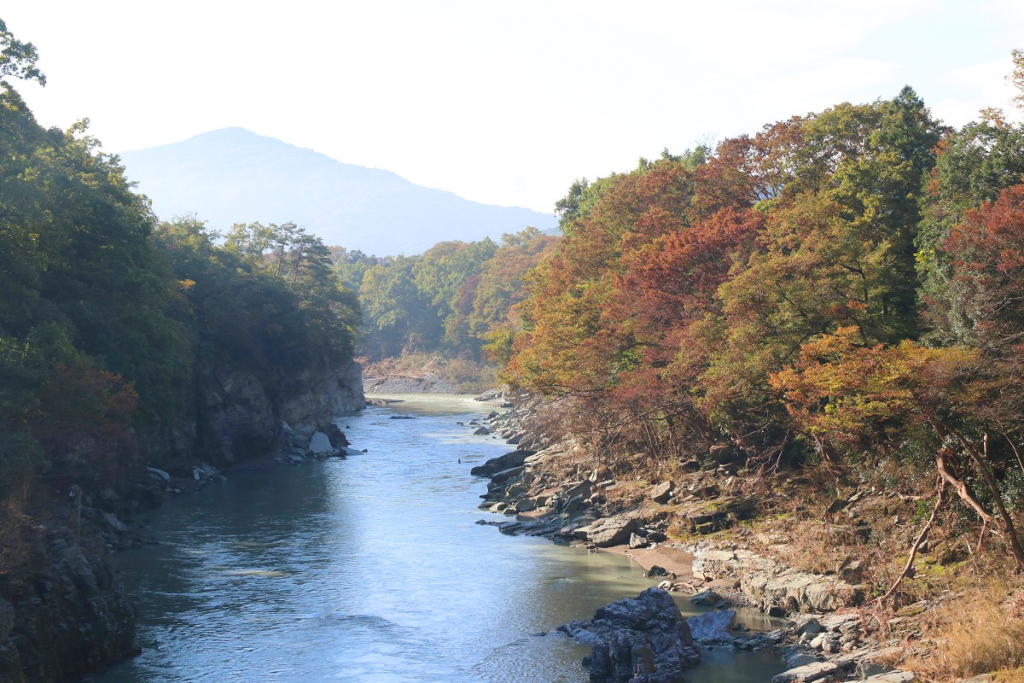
column 233, row 175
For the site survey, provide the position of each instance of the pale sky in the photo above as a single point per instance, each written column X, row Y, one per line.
column 503, row 103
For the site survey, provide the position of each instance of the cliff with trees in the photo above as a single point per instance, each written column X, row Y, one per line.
column 127, row 343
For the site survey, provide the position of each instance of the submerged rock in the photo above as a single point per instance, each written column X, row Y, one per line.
column 706, row 598
column 643, row 640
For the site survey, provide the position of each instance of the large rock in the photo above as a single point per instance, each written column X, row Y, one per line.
column 337, row 437
column 608, row 531
column 808, row 672
column 712, row 627
column 320, row 444
column 795, row 591
column 158, row 474
column 642, row 640
column 502, row 462
column 706, row 598
column 660, row 493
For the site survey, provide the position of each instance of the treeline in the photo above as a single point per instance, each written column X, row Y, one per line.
column 454, row 299
column 845, row 287
column 107, row 316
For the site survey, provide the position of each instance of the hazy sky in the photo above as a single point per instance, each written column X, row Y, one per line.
column 503, row 103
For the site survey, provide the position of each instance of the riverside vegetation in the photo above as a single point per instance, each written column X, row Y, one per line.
column 807, row 343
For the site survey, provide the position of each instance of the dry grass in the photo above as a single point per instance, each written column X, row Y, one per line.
column 979, row 631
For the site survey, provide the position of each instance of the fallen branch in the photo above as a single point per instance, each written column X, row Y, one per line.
column 941, row 487
column 959, row 486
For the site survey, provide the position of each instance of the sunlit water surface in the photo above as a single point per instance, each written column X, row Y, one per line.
column 371, row 569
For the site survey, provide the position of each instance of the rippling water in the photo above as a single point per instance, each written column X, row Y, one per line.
column 370, row 569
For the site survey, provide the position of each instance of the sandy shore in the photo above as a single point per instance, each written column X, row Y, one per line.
column 673, row 560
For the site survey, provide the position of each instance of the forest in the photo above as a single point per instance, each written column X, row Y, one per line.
column 108, row 314
column 841, row 288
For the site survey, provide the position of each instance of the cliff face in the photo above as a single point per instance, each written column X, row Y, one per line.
column 234, row 416
column 63, row 611
column 311, row 399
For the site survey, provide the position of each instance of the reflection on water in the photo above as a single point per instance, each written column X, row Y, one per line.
column 370, row 569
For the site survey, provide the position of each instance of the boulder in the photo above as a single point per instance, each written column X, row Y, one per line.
column 502, row 462
column 643, row 639
column 660, row 493
column 525, row 505
column 608, row 531
column 637, row 542
column 112, row 523
column 712, row 627
column 808, row 672
column 320, row 443
column 481, row 431
column 811, row 627
column 707, row 598
column 825, row 642
column 159, row 475
column 572, row 506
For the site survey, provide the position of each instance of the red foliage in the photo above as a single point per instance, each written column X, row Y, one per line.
column 86, row 418
column 746, row 170
column 987, row 251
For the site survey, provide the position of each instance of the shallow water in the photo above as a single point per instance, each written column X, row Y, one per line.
column 371, row 569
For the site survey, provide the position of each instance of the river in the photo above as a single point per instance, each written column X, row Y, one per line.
column 371, row 569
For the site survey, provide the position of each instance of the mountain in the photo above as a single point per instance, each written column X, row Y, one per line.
column 233, row 175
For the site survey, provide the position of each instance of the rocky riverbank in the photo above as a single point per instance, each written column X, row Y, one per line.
column 552, row 488
column 63, row 611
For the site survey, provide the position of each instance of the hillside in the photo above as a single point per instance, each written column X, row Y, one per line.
column 233, row 175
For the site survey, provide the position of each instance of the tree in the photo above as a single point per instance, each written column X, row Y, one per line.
column 18, row 59
column 839, row 390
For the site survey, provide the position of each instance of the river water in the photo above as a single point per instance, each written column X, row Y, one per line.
column 371, row 569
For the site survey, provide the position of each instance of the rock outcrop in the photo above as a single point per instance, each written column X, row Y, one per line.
column 773, row 587
column 640, row 640
column 63, row 612
column 310, row 400
column 234, row 416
